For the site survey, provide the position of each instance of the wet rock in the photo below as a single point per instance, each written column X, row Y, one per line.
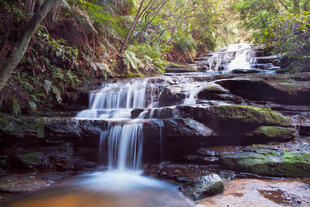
column 136, row 112
column 271, row 163
column 171, row 95
column 22, row 184
column 213, row 92
column 186, row 128
column 205, row 186
column 302, row 122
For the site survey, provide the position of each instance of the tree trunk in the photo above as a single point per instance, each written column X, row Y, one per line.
column 21, row 45
column 29, row 8
column 138, row 15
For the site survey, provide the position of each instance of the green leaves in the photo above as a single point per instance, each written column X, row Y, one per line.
column 15, row 107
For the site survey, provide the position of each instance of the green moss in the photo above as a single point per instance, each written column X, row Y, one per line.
column 273, row 132
column 216, row 189
column 250, row 115
column 286, row 164
column 296, row 157
column 30, row 158
column 176, row 65
column 36, row 126
column 22, row 126
column 131, row 74
column 215, row 88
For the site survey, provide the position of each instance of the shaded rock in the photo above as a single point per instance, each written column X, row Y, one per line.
column 3, row 159
column 175, row 137
column 280, row 164
column 266, row 59
column 205, row 186
column 161, row 113
column 246, row 71
column 284, row 91
column 26, row 130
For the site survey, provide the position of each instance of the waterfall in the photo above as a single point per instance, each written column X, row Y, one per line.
column 123, row 137
column 115, row 100
column 236, row 56
column 124, row 146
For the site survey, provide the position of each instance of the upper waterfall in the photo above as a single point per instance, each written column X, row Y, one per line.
column 235, row 56
column 115, row 100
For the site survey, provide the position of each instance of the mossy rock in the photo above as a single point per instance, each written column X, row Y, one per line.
column 273, row 133
column 208, row 185
column 178, row 68
column 249, row 115
column 21, row 127
column 212, row 91
column 285, row 164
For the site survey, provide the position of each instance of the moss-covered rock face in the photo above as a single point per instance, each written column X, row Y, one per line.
column 249, row 115
column 273, row 133
column 285, row 164
column 22, row 127
column 178, row 68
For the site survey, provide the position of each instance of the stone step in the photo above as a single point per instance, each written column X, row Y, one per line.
column 266, row 59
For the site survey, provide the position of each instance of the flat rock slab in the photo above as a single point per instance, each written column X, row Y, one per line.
column 261, row 193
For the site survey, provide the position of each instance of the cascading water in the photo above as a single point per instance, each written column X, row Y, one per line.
column 123, row 137
column 121, row 142
column 236, row 56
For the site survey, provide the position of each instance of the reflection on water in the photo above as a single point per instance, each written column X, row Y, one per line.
column 106, row 189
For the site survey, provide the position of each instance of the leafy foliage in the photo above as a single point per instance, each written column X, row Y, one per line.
column 282, row 25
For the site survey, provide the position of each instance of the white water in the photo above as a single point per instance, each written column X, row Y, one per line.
column 123, row 138
column 236, row 56
column 115, row 100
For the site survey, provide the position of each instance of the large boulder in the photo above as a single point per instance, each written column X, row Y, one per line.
column 270, row 163
column 176, row 137
column 278, row 90
column 234, row 117
column 216, row 92
column 236, row 124
column 273, row 133
column 208, row 185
